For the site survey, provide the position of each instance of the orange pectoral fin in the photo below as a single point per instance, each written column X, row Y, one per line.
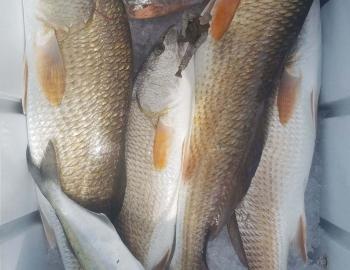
column 222, row 14
column 50, row 66
column 162, row 145
column 287, row 96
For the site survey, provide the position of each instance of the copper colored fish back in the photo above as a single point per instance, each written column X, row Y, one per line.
column 80, row 66
column 235, row 75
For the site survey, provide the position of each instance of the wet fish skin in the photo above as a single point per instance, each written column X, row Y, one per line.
column 272, row 213
column 157, row 126
column 235, row 76
column 92, row 236
column 80, row 67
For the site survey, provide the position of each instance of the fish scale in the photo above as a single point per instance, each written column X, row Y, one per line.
column 88, row 126
column 234, row 76
column 157, row 126
column 269, row 215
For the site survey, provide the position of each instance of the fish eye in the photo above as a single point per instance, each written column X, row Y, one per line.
column 159, row 49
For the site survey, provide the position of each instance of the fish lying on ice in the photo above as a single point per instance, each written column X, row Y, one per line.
column 272, row 214
column 236, row 70
column 92, row 236
column 158, row 124
column 79, row 61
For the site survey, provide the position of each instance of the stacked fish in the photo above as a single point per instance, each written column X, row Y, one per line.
column 226, row 139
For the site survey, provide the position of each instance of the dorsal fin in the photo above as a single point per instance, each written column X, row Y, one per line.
column 222, row 14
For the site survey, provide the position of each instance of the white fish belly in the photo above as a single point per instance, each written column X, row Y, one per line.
column 148, row 216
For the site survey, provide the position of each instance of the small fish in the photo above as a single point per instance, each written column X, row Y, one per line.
column 236, row 70
column 92, row 236
column 272, row 214
column 158, row 124
column 79, row 74
column 146, row 9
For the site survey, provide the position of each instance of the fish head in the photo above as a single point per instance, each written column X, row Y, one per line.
column 157, row 87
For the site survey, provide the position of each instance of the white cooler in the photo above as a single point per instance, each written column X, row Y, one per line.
column 22, row 241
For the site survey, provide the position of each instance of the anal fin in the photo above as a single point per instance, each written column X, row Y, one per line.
column 236, row 240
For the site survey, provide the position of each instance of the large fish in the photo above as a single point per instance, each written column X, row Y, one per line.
column 92, row 236
column 158, row 124
column 271, row 216
column 236, row 70
column 79, row 84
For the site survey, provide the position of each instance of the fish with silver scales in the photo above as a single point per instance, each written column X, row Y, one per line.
column 159, row 121
column 271, row 217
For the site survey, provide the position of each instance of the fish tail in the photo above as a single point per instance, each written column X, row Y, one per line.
column 46, row 175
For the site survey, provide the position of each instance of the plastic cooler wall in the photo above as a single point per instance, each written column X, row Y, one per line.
column 22, row 241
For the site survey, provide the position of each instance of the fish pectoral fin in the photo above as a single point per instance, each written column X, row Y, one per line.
column 236, row 240
column 50, row 67
column 163, row 138
column 287, row 95
column 222, row 15
column 301, row 238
